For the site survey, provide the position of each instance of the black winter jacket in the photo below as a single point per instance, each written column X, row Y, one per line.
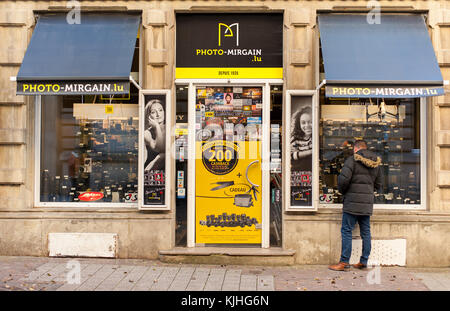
column 359, row 177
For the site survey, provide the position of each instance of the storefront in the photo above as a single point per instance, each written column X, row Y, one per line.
column 185, row 131
column 229, row 71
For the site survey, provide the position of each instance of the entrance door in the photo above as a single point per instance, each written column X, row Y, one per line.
column 228, row 176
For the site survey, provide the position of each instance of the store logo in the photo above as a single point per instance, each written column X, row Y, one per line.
column 90, row 196
column 226, row 31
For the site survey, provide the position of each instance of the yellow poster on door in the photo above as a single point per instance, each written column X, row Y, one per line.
column 228, row 192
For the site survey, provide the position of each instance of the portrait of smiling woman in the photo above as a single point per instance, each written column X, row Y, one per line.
column 301, row 139
column 154, row 135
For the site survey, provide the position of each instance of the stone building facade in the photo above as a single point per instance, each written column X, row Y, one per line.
column 311, row 237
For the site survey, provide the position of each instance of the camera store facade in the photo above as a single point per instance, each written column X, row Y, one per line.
column 183, row 129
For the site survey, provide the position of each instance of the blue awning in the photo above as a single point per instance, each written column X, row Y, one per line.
column 394, row 58
column 93, row 57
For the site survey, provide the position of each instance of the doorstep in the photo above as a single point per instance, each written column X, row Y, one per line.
column 273, row 256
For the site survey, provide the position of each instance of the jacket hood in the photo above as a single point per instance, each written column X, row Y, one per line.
column 368, row 158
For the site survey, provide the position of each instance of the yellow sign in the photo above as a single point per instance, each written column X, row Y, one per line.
column 109, row 109
column 233, row 73
column 181, row 131
column 228, row 192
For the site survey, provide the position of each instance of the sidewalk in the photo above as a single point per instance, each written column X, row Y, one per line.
column 86, row 274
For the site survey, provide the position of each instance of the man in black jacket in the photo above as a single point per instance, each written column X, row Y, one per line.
column 359, row 177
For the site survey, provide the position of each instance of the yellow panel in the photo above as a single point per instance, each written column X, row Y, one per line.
column 229, row 73
column 235, row 199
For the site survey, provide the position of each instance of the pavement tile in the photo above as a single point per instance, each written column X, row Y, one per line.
column 248, row 282
column 56, row 274
column 148, row 279
column 232, row 280
column 165, row 279
column 215, row 280
column 97, row 278
column 198, row 279
column 87, row 270
column 182, row 279
column 114, row 279
column 131, row 279
column 265, row 283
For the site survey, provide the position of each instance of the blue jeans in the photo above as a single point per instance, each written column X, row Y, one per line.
column 348, row 223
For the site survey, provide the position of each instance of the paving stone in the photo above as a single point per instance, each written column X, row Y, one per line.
column 182, row 279
column 232, row 280
column 265, row 283
column 52, row 273
column 86, row 272
column 165, row 279
column 62, row 276
column 39, row 271
column 97, row 278
column 215, row 280
column 127, row 283
column 199, row 279
column 435, row 281
column 114, row 279
column 31, row 273
column 148, row 279
column 248, row 283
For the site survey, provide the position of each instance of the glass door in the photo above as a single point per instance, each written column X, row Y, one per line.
column 228, row 175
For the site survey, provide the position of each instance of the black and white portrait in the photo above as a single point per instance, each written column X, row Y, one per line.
column 301, row 149
column 155, row 133
column 155, row 149
column 301, row 133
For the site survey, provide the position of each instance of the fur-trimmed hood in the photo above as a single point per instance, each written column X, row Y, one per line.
column 368, row 158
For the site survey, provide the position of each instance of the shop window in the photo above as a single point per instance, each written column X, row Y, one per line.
column 89, row 151
column 391, row 128
column 89, row 147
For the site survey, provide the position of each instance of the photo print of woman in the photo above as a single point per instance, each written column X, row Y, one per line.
column 301, row 150
column 155, row 134
column 155, row 149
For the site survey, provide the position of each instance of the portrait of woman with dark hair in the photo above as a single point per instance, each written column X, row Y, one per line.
column 154, row 135
column 301, row 139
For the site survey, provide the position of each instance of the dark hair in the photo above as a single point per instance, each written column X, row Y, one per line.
column 361, row 144
column 296, row 130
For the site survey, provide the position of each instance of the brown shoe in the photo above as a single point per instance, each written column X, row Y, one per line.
column 359, row 266
column 342, row 266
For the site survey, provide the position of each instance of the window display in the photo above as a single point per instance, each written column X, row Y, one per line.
column 89, row 150
column 391, row 129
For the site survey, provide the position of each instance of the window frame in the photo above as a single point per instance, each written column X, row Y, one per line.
column 315, row 151
column 423, row 169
